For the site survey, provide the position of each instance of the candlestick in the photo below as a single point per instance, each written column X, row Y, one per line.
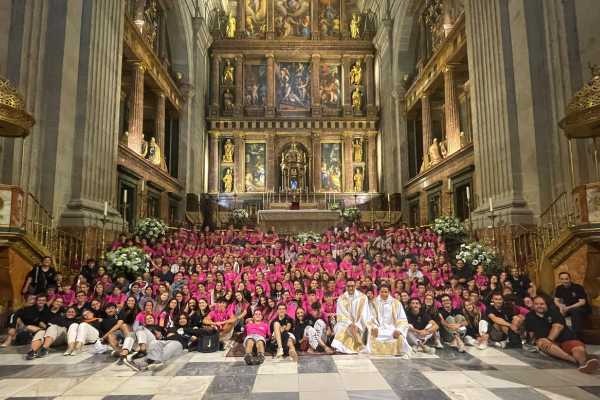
column 142, row 185
column 104, row 220
column 491, row 206
column 470, row 221
column 450, row 201
column 105, row 208
column 449, row 184
column 124, row 208
column 492, row 216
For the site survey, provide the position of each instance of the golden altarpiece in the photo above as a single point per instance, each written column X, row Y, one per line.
column 292, row 103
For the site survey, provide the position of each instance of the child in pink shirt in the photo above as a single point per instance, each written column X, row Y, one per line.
column 116, row 297
column 68, row 296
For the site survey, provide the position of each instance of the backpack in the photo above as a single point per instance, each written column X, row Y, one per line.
column 22, row 339
column 209, row 342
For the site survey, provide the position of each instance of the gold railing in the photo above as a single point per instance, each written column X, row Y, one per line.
column 66, row 249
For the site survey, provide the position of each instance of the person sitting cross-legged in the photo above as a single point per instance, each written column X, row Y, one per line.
column 26, row 319
column 505, row 325
column 257, row 331
column 421, row 326
column 554, row 338
column 283, row 339
column 222, row 319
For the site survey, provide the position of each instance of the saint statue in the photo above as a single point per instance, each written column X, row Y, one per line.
column 354, row 26
column 356, row 74
column 358, row 150
column 229, row 148
column 463, row 140
column 425, row 163
column 434, row 153
column 154, row 152
column 228, row 100
column 231, row 23
column 227, row 79
column 443, row 149
column 144, row 148
column 125, row 138
column 358, row 180
column 357, row 100
column 228, row 181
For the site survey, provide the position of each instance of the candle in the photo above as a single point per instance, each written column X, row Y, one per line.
column 491, row 206
column 105, row 208
column 142, row 185
column 449, row 185
column 125, row 197
column 388, row 197
column 468, row 194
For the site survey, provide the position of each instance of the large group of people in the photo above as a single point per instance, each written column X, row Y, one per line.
column 387, row 292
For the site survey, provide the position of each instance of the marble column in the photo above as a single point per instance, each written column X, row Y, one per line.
column 270, row 108
column 344, row 24
column 451, row 110
column 314, row 66
column 136, row 113
column 316, row 136
column 162, row 37
column 271, row 161
column 215, row 79
column 238, row 179
column 447, row 21
column 239, row 85
column 424, row 47
column 214, row 179
column 270, row 33
column 160, row 120
column 427, row 123
column 139, row 14
column 240, row 32
column 370, row 76
column 346, row 89
column 348, row 175
column 372, row 160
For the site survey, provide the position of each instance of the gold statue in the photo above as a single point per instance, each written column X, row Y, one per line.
column 228, row 100
column 356, row 74
column 425, row 163
column 227, row 79
column 230, row 29
column 358, row 180
column 357, row 100
column 144, row 148
column 154, row 152
column 229, row 149
column 358, row 150
column 434, row 153
column 125, row 138
column 228, row 181
column 443, row 149
column 463, row 140
column 354, row 26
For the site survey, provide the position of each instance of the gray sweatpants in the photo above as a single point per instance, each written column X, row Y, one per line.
column 163, row 350
column 448, row 334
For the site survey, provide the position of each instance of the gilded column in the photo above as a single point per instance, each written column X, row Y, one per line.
column 136, row 116
column 317, row 161
column 427, row 124
column 270, row 109
column 271, row 156
column 216, row 78
column 370, row 79
column 238, row 181
column 213, row 177
column 372, row 160
column 348, row 175
column 451, row 108
column 316, row 100
column 160, row 120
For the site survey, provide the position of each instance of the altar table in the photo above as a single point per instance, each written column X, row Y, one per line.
column 296, row 221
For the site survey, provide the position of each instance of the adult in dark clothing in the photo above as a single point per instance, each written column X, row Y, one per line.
column 165, row 273
column 81, row 304
column 505, row 325
column 521, row 284
column 571, row 299
column 554, row 338
column 421, row 326
column 462, row 273
column 39, row 278
column 342, row 225
column 55, row 333
column 89, row 270
column 283, row 338
column 26, row 319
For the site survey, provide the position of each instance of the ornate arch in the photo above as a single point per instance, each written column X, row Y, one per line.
column 305, row 141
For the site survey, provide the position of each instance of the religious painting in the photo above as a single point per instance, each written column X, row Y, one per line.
column 226, row 184
column 329, row 86
column 255, row 170
column 331, row 166
column 292, row 18
column 329, row 18
column 292, row 91
column 256, row 18
column 255, row 85
column 228, row 150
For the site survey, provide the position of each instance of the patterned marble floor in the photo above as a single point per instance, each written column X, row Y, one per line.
column 489, row 375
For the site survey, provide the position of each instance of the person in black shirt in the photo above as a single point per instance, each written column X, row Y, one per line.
column 453, row 324
column 55, row 333
column 521, row 284
column 283, row 338
column 504, row 323
column 26, row 319
column 81, row 304
column 571, row 299
column 89, row 270
column 165, row 274
column 462, row 273
column 554, row 338
column 39, row 277
column 421, row 326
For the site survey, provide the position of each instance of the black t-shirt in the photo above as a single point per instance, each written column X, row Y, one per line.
column 570, row 295
column 127, row 317
column 541, row 326
column 452, row 313
column 504, row 313
column 48, row 315
column 108, row 323
column 309, row 320
column 520, row 285
column 166, row 277
column 283, row 322
column 420, row 320
column 463, row 273
column 30, row 315
column 44, row 278
column 86, row 306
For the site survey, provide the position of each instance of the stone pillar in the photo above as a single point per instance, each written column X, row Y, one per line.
column 240, row 32
column 344, row 24
column 136, row 114
column 270, row 161
column 270, row 33
column 348, row 175
column 139, row 14
column 238, row 181
column 216, row 79
column 369, row 80
column 270, row 108
column 427, row 124
column 447, row 21
column 162, row 37
column 239, row 86
column 316, row 142
column 452, row 112
column 160, row 120
column 372, row 160
column 317, row 109
column 346, row 90
column 214, row 179
column 424, row 46
column 315, row 34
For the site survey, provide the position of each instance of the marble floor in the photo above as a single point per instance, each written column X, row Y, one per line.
column 490, row 374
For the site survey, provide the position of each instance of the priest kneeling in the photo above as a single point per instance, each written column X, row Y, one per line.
column 352, row 315
column 388, row 327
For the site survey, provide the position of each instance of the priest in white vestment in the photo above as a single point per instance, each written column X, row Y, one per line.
column 352, row 316
column 388, row 327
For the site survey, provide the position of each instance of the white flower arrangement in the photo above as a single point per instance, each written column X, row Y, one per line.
column 448, row 227
column 240, row 215
column 334, row 206
column 150, row 227
column 302, row 237
column 476, row 253
column 130, row 261
column 352, row 214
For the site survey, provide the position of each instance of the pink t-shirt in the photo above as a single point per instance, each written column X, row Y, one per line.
column 115, row 299
column 141, row 318
column 217, row 316
column 330, row 308
column 262, row 329
column 68, row 298
column 481, row 280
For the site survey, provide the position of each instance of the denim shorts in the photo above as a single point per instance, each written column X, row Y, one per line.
column 256, row 337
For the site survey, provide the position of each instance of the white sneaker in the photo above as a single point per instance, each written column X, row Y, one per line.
column 453, row 344
column 430, row 350
column 438, row 344
column 470, row 341
column 293, row 355
column 68, row 352
column 279, row 353
column 461, row 347
column 502, row 344
column 76, row 352
column 7, row 343
column 482, row 346
column 415, row 349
